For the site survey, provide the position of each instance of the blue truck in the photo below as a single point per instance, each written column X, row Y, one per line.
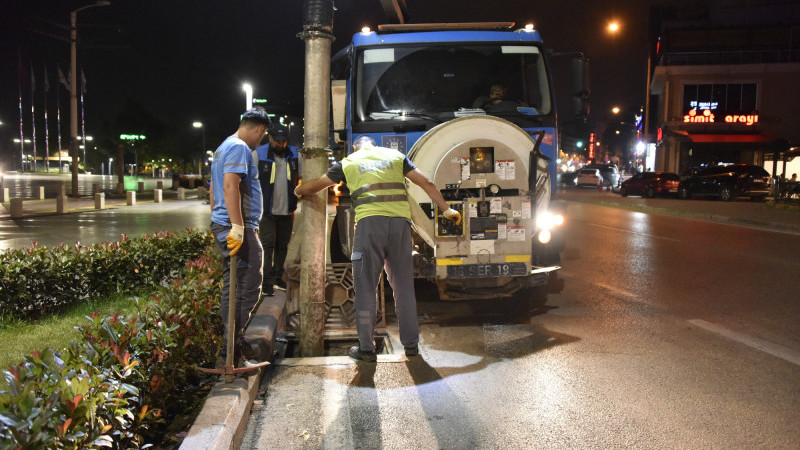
column 473, row 107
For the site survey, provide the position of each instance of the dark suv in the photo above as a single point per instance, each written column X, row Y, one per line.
column 727, row 182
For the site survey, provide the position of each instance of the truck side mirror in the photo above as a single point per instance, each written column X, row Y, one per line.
column 339, row 103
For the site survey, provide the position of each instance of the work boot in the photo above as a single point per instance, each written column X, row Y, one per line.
column 412, row 351
column 280, row 285
column 268, row 291
column 355, row 352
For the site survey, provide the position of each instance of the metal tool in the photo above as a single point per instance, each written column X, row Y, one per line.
column 230, row 370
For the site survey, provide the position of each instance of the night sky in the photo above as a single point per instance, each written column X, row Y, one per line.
column 182, row 61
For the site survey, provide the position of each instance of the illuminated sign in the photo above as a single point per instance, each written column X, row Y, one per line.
column 748, row 119
column 708, row 117
column 132, row 137
column 591, row 146
column 692, row 117
column 703, row 105
column 259, row 100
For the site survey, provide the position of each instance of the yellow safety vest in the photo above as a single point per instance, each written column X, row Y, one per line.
column 377, row 183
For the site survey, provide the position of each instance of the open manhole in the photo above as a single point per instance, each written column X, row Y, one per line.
column 336, row 345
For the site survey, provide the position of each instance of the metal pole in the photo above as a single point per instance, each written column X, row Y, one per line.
column 73, row 99
column 318, row 38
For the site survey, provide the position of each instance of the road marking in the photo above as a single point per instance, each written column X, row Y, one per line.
column 618, row 291
column 599, row 225
column 786, row 353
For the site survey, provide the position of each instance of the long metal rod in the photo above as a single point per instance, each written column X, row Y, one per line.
column 232, row 280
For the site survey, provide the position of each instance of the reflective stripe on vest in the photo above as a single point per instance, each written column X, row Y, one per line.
column 376, row 180
column 272, row 173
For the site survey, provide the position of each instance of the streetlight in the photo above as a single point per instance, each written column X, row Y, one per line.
column 613, row 29
column 73, row 91
column 615, row 110
column 110, row 160
column 203, row 129
column 248, row 92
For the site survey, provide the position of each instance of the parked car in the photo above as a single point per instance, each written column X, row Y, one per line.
column 589, row 177
column 609, row 173
column 650, row 184
column 568, row 178
column 727, row 182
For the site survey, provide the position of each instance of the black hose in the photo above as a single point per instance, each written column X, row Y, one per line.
column 318, row 13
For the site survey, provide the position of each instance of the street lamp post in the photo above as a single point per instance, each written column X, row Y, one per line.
column 248, row 92
column 202, row 153
column 73, row 91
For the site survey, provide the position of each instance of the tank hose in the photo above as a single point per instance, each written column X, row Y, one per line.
column 318, row 14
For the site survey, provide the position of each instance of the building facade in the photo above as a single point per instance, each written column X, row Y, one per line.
column 726, row 85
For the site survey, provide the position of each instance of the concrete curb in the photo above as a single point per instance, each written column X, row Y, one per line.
column 222, row 421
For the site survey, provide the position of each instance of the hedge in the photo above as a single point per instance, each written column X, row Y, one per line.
column 119, row 384
column 38, row 281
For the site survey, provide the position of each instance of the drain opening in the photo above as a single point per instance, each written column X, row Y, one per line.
column 337, row 345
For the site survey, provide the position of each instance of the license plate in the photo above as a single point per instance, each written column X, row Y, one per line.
column 486, row 270
column 672, row 190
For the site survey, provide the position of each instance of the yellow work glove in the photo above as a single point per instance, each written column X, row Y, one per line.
column 452, row 214
column 235, row 238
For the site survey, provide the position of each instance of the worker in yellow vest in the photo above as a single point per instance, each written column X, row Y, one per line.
column 376, row 179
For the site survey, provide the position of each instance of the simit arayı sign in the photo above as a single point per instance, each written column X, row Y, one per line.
column 708, row 117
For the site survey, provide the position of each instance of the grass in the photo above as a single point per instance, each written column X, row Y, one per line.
column 20, row 338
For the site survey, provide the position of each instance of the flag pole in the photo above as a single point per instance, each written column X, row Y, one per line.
column 33, row 116
column 83, row 122
column 21, row 135
column 46, row 127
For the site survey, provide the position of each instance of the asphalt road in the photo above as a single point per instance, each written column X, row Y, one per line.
column 661, row 332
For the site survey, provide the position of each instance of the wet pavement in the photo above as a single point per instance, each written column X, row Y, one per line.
column 82, row 223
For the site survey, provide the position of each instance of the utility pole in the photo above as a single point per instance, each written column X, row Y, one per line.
column 73, row 92
column 317, row 34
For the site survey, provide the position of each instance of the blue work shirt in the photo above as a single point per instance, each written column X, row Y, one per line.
column 234, row 156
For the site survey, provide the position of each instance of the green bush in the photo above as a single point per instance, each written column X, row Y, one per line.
column 38, row 281
column 118, row 386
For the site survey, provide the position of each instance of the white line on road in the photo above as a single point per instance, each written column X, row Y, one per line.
column 633, row 232
column 791, row 355
column 620, row 292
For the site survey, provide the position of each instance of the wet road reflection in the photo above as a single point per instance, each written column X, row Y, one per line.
column 107, row 225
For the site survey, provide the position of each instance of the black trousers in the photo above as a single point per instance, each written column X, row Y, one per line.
column 274, row 232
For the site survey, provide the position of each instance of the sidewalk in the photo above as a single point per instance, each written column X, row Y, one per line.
column 743, row 212
column 38, row 208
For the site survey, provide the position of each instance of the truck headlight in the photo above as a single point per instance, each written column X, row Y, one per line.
column 548, row 221
column 544, row 236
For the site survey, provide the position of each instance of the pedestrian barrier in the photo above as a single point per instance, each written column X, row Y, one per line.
column 61, row 203
column 157, row 195
column 16, row 208
column 40, row 193
column 99, row 200
column 4, row 195
column 141, row 186
column 131, row 198
column 181, row 193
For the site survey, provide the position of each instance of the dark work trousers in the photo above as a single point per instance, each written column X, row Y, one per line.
column 275, row 232
column 249, row 277
column 384, row 242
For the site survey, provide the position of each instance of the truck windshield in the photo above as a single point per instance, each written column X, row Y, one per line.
column 434, row 83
